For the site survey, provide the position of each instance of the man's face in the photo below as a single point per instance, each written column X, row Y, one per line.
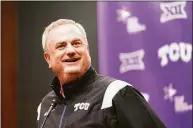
column 67, row 51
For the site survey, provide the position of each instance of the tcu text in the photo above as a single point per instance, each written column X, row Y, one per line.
column 81, row 106
column 174, row 52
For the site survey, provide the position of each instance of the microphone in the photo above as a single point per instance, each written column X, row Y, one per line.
column 52, row 106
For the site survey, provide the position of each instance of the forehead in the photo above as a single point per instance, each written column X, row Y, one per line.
column 64, row 32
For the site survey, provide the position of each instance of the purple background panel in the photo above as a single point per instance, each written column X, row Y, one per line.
column 149, row 44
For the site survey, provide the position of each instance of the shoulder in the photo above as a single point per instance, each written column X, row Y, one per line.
column 112, row 89
column 100, row 83
column 49, row 97
column 105, row 79
column 45, row 103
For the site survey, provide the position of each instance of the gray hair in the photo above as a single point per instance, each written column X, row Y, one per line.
column 58, row 23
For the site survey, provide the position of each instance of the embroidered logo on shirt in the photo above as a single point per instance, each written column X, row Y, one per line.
column 81, row 106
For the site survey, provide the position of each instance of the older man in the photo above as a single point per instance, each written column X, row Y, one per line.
column 81, row 98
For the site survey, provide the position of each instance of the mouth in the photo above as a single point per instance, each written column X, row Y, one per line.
column 72, row 60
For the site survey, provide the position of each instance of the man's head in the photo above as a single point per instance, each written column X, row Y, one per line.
column 66, row 48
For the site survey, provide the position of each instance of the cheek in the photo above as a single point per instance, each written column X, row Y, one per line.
column 87, row 58
column 55, row 58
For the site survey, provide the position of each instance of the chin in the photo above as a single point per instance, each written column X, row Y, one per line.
column 73, row 69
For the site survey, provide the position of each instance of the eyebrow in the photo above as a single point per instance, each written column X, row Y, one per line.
column 76, row 39
column 61, row 42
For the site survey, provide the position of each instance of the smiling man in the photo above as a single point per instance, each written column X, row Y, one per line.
column 81, row 98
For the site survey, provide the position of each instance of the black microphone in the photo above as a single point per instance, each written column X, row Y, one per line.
column 52, row 106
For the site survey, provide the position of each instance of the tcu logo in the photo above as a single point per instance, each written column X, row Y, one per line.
column 173, row 10
column 81, row 106
column 175, row 52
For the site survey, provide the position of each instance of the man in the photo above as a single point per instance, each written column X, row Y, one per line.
column 81, row 98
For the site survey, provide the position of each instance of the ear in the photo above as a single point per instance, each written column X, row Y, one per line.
column 47, row 58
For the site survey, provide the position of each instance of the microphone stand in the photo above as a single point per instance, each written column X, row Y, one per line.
column 53, row 104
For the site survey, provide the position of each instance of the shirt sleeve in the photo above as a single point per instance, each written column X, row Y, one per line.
column 132, row 110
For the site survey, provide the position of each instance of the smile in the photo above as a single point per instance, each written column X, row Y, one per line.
column 72, row 60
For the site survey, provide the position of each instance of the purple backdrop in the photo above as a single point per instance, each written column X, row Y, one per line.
column 149, row 44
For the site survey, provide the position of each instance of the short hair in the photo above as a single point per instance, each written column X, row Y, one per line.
column 58, row 23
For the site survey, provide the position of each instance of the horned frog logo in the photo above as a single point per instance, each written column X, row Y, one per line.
column 133, row 26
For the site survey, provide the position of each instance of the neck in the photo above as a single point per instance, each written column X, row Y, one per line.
column 66, row 78
column 69, row 77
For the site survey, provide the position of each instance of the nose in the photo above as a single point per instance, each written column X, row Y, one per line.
column 70, row 50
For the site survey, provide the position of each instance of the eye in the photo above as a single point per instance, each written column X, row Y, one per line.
column 60, row 46
column 77, row 43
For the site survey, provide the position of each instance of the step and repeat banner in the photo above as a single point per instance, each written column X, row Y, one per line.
column 149, row 44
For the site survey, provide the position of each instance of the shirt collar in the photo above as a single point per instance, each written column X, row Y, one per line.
column 72, row 88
